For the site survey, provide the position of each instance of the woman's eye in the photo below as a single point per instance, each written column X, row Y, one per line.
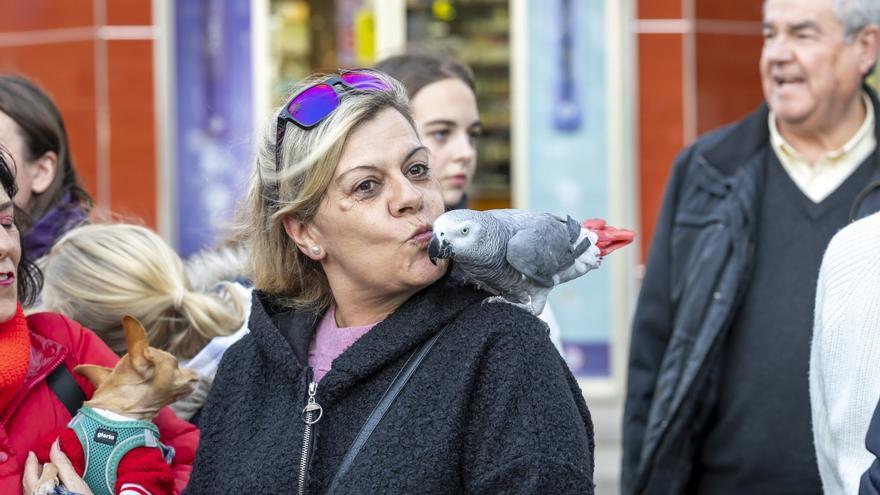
column 441, row 135
column 366, row 186
column 418, row 170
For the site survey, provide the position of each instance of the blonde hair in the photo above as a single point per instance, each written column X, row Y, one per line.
column 308, row 163
column 96, row 274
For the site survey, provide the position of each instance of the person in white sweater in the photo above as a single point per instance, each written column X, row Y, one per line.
column 844, row 379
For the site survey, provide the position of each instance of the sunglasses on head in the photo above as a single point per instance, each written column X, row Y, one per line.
column 315, row 103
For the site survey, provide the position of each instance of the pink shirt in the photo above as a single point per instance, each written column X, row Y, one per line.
column 330, row 342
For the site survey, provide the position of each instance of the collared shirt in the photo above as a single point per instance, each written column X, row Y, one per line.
column 819, row 180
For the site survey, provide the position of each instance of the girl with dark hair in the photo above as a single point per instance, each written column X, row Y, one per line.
column 44, row 345
column 32, row 130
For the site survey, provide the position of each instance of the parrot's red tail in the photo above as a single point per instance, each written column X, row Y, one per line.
column 610, row 238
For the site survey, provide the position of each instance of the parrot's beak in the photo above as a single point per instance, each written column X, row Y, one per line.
column 438, row 249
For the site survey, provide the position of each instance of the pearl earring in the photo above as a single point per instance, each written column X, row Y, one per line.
column 316, row 250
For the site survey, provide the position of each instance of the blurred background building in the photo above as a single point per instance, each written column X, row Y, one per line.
column 584, row 104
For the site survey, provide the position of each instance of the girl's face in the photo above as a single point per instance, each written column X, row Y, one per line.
column 10, row 254
column 31, row 176
column 446, row 115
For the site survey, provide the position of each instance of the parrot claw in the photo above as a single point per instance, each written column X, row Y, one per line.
column 500, row 299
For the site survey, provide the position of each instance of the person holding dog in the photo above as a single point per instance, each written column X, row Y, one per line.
column 365, row 369
column 44, row 348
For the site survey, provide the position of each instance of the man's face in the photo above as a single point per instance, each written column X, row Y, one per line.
column 810, row 73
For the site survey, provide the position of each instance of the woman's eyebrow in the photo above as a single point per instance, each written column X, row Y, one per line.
column 412, row 153
column 370, row 166
column 446, row 122
column 367, row 166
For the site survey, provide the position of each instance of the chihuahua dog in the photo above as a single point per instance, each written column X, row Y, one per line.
column 114, row 428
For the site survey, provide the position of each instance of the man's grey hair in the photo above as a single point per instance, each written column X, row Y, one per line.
column 856, row 14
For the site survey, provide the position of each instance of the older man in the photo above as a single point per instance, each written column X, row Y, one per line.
column 718, row 397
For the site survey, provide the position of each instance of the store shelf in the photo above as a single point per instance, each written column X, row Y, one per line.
column 476, row 32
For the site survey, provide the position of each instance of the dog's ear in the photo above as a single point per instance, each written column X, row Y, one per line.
column 94, row 373
column 136, row 343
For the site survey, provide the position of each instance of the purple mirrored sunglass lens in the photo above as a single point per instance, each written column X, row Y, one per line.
column 313, row 104
column 364, row 81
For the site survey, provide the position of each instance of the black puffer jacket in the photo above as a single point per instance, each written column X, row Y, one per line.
column 492, row 408
column 698, row 268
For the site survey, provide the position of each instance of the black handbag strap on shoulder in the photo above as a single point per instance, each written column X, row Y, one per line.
column 70, row 394
column 399, row 382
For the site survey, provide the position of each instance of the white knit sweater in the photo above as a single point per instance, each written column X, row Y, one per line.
column 845, row 355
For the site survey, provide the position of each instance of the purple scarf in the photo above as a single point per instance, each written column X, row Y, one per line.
column 68, row 214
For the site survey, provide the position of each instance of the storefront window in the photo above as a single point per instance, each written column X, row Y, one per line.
column 476, row 32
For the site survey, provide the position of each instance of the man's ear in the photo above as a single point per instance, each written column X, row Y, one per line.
column 302, row 235
column 869, row 39
column 94, row 373
column 43, row 171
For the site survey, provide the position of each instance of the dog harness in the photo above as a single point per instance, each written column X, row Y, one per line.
column 105, row 442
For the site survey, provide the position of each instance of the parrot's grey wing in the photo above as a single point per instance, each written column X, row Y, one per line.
column 516, row 220
column 537, row 254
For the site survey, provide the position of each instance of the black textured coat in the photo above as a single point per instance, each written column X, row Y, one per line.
column 492, row 409
column 699, row 267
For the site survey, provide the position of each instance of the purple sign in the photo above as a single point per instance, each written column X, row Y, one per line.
column 213, row 116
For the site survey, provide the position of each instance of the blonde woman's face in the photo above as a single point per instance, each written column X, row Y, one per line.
column 10, row 255
column 375, row 220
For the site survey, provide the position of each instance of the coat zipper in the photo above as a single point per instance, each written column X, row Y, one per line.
column 311, row 414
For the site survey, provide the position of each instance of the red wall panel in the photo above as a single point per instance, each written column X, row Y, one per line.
column 133, row 136
column 129, row 12
column 659, row 9
column 729, row 10
column 728, row 84
column 40, row 15
column 661, row 121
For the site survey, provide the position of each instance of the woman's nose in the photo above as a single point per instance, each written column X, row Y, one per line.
column 407, row 197
column 7, row 243
column 463, row 148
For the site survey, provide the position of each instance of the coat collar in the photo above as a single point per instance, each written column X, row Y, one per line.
column 751, row 136
column 284, row 336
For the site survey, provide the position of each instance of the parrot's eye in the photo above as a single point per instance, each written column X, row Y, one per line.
column 465, row 230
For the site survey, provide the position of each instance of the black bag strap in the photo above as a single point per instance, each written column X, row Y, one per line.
column 403, row 376
column 65, row 387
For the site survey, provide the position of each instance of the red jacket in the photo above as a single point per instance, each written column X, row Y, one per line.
column 36, row 411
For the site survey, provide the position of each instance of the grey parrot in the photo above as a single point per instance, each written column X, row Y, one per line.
column 517, row 255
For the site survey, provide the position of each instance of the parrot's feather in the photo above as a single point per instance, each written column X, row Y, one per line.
column 531, row 252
